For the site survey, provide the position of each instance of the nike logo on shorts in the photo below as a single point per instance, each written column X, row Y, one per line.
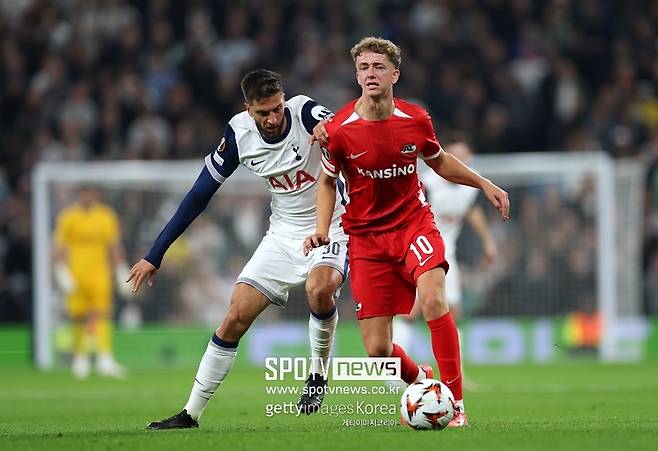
column 354, row 156
column 422, row 262
column 359, row 306
column 254, row 163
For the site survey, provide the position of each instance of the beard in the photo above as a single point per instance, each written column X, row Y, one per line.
column 271, row 133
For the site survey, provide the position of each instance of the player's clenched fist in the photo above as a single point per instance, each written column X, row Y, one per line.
column 142, row 270
column 315, row 240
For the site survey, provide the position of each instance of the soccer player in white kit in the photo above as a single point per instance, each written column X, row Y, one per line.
column 271, row 139
column 452, row 205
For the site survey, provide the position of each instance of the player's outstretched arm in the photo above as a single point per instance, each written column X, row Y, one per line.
column 326, row 202
column 194, row 202
column 453, row 170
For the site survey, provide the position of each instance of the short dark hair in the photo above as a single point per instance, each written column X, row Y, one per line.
column 259, row 84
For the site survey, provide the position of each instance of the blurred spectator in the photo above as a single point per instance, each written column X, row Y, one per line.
column 126, row 79
column 149, row 136
column 205, row 294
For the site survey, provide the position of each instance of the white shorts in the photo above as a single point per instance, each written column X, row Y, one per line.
column 453, row 284
column 279, row 264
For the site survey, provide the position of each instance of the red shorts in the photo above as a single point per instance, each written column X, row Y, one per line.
column 384, row 266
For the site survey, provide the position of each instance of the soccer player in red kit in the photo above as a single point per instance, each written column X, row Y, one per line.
column 394, row 245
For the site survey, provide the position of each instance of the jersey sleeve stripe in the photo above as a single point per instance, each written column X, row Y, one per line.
column 329, row 166
column 328, row 171
column 211, row 168
column 431, row 157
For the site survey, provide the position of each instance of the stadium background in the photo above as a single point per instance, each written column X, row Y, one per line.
column 84, row 81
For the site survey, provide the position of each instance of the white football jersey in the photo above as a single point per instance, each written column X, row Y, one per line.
column 450, row 203
column 289, row 166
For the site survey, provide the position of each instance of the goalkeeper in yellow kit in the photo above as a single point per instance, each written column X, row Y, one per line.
column 88, row 251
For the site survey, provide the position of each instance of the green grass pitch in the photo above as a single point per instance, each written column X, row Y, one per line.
column 580, row 406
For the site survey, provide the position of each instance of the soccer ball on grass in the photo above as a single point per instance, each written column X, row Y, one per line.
column 427, row 404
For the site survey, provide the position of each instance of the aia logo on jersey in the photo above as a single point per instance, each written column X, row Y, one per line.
column 408, row 148
column 289, row 183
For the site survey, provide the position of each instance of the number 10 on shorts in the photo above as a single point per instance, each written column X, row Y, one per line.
column 422, row 248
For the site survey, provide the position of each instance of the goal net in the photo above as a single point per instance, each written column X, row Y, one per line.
column 570, row 255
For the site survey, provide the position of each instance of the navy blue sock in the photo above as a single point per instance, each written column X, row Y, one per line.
column 324, row 316
column 224, row 344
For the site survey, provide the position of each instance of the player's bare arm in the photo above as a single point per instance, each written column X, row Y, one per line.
column 478, row 221
column 453, row 170
column 326, row 201
column 140, row 272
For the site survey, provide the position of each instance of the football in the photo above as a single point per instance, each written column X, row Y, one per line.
column 427, row 404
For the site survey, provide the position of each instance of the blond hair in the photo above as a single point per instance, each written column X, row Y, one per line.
column 378, row 45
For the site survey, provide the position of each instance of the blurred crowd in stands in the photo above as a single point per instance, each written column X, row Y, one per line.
column 84, row 80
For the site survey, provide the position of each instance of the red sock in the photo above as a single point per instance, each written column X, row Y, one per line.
column 408, row 366
column 445, row 344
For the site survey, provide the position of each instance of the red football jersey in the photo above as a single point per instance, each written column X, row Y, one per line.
column 378, row 160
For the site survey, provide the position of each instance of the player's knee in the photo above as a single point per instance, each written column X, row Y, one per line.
column 378, row 349
column 432, row 298
column 320, row 292
column 433, row 304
